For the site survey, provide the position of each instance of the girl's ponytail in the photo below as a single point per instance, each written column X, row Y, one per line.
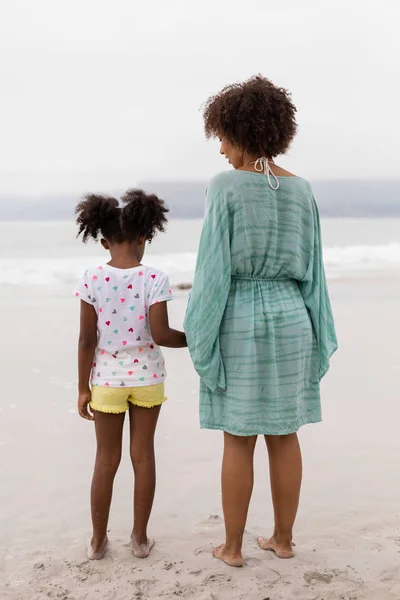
column 95, row 213
column 143, row 214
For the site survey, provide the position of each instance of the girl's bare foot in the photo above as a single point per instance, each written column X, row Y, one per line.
column 282, row 550
column 141, row 550
column 96, row 551
column 233, row 560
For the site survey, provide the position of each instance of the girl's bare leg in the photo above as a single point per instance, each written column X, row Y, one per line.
column 286, row 473
column 237, row 487
column 109, row 442
column 143, row 423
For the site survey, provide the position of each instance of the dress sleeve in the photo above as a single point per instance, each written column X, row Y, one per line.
column 316, row 298
column 209, row 294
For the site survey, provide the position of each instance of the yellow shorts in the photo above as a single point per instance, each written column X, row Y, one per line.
column 116, row 400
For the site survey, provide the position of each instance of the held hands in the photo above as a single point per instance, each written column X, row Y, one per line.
column 83, row 405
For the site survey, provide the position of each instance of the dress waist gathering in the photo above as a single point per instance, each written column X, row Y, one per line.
column 258, row 278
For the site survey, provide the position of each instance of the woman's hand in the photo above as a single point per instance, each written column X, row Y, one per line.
column 83, row 405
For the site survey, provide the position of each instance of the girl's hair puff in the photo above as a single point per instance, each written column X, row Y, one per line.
column 141, row 216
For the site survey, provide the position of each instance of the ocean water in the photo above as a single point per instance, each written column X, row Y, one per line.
column 48, row 253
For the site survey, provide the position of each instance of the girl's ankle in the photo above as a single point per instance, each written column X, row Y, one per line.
column 97, row 542
column 139, row 537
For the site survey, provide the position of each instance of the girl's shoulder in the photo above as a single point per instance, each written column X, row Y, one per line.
column 153, row 274
column 108, row 275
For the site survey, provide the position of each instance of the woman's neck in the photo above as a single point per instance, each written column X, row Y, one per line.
column 249, row 162
column 249, row 165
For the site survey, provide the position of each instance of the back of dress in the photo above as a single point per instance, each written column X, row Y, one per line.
column 259, row 324
column 272, row 230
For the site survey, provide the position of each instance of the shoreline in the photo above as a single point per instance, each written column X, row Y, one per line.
column 355, row 278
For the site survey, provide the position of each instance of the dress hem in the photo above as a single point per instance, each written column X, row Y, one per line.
column 281, row 431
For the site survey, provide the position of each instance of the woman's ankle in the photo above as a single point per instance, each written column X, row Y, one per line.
column 233, row 548
column 283, row 539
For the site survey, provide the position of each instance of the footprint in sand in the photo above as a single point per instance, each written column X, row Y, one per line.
column 210, row 522
column 183, row 590
column 202, row 550
column 218, row 578
column 196, row 572
column 252, row 563
column 143, row 587
column 333, row 577
column 318, row 576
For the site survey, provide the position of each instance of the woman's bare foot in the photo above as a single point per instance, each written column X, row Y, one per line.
column 141, row 550
column 233, row 560
column 282, row 550
column 96, row 551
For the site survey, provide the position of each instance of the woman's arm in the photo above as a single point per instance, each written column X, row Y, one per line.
column 314, row 290
column 161, row 332
column 210, row 292
column 86, row 348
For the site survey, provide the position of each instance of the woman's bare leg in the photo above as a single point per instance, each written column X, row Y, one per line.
column 109, row 443
column 285, row 472
column 237, row 487
column 143, row 423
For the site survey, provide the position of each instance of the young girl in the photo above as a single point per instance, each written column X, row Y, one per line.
column 123, row 322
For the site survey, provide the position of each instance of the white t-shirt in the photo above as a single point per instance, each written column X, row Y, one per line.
column 126, row 354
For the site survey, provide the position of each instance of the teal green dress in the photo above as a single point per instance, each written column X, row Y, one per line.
column 259, row 323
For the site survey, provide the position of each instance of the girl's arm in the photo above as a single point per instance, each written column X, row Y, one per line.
column 161, row 332
column 86, row 348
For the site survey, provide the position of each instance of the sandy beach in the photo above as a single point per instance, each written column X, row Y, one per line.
column 348, row 529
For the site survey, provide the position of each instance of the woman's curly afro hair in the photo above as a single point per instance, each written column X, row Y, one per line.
column 254, row 116
column 141, row 216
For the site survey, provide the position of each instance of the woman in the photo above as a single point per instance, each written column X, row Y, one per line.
column 259, row 324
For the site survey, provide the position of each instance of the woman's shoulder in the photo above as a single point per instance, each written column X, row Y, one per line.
column 222, row 190
column 233, row 185
column 220, row 181
column 230, row 178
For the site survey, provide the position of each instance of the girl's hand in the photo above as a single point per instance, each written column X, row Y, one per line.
column 83, row 403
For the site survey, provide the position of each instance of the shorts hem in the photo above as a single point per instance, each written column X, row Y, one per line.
column 108, row 409
column 118, row 411
column 148, row 404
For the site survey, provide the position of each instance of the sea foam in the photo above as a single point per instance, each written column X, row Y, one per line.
column 348, row 261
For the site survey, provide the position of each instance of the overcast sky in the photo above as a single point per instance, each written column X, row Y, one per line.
column 100, row 94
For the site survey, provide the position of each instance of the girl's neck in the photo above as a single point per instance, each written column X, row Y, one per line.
column 122, row 258
column 124, row 264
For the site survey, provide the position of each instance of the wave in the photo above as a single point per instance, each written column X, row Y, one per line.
column 342, row 261
column 346, row 261
column 50, row 272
